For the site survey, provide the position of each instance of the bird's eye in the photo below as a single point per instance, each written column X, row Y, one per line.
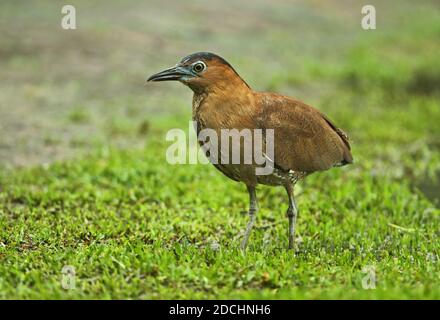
column 199, row 67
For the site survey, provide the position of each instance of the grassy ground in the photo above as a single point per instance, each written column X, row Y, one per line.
column 84, row 181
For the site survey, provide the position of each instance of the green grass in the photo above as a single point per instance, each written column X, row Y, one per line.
column 136, row 228
column 95, row 191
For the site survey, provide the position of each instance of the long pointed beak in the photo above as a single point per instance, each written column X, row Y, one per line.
column 174, row 73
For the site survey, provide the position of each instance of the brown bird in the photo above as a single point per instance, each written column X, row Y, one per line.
column 304, row 139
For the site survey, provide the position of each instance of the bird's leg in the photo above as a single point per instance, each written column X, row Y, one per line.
column 292, row 213
column 253, row 208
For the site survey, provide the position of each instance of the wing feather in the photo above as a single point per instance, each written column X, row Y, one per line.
column 305, row 139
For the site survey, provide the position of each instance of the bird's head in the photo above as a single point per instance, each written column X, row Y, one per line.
column 202, row 71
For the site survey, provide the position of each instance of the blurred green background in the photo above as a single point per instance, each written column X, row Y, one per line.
column 83, row 176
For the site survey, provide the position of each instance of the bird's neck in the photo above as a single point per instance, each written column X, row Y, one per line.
column 221, row 84
column 221, row 104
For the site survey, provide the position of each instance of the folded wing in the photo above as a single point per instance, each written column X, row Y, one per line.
column 305, row 139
